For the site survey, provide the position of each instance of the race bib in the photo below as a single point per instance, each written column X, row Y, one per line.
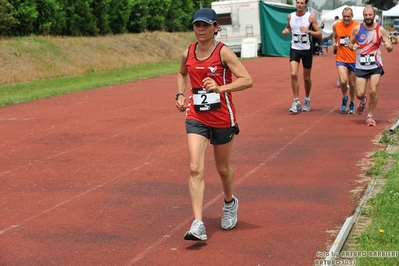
column 300, row 38
column 344, row 40
column 367, row 59
column 205, row 101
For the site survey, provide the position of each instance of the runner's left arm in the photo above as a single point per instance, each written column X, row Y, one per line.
column 385, row 40
column 316, row 31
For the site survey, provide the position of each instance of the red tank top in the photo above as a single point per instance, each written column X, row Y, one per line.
column 212, row 109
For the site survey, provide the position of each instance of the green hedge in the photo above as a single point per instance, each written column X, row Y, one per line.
column 95, row 17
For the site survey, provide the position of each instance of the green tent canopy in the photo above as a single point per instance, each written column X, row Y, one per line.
column 273, row 19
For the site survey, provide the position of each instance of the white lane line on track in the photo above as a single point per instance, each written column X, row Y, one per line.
column 42, row 160
column 73, row 198
column 52, row 208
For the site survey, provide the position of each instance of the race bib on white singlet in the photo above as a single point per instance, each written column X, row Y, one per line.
column 205, row 101
column 300, row 38
column 367, row 59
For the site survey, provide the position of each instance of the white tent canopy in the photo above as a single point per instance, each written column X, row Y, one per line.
column 329, row 18
column 393, row 12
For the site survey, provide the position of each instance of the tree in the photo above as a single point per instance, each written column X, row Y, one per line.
column 100, row 10
column 51, row 17
column 349, row 3
column 158, row 10
column 6, row 17
column 381, row 4
column 138, row 16
column 81, row 21
column 180, row 15
column 119, row 15
column 25, row 14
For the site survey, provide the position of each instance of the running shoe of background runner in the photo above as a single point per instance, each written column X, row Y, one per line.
column 344, row 103
column 296, row 106
column 197, row 231
column 360, row 107
column 351, row 108
column 229, row 218
column 370, row 121
column 306, row 105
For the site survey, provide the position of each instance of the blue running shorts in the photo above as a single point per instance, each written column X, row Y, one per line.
column 349, row 66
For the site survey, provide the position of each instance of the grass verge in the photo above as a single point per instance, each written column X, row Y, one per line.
column 382, row 234
column 18, row 93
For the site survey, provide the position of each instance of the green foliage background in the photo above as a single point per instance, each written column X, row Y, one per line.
column 95, row 17
column 103, row 17
column 381, row 4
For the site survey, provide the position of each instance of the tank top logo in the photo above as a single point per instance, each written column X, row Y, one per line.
column 213, row 72
column 362, row 36
column 213, row 69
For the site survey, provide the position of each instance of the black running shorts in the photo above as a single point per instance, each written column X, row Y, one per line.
column 217, row 136
column 366, row 74
column 305, row 55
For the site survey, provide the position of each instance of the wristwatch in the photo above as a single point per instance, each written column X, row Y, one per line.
column 178, row 94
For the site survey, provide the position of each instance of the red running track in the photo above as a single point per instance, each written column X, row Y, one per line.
column 101, row 177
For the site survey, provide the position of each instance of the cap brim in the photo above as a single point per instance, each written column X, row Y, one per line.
column 204, row 20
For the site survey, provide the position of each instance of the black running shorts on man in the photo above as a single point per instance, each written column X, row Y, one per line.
column 305, row 55
column 366, row 74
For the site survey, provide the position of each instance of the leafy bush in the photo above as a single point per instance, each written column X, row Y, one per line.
column 95, row 17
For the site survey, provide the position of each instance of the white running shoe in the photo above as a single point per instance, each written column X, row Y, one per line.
column 306, row 105
column 197, row 231
column 229, row 219
column 296, row 106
